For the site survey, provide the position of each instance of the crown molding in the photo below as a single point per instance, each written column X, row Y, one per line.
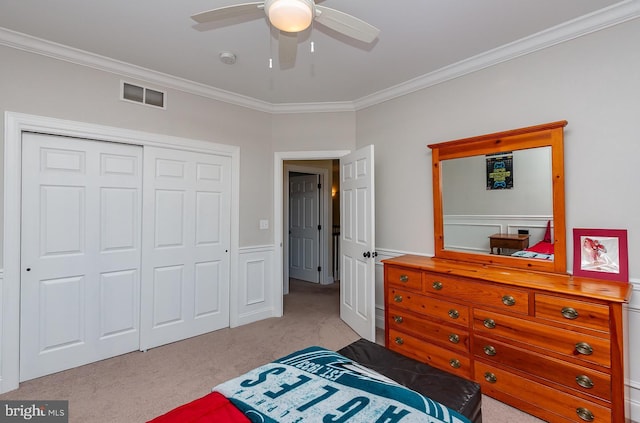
column 607, row 17
column 338, row 106
column 47, row 48
column 587, row 24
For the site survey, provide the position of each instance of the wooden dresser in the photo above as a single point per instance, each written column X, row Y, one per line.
column 549, row 344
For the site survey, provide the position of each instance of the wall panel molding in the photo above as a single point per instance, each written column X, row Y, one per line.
column 255, row 295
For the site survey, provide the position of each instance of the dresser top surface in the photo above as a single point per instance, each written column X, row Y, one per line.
column 558, row 283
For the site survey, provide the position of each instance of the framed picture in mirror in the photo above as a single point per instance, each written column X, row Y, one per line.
column 601, row 254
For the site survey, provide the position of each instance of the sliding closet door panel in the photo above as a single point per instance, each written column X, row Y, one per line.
column 186, row 233
column 80, row 252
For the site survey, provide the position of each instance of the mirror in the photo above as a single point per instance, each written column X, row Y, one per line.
column 499, row 198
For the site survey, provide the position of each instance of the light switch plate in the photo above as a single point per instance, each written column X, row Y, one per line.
column 264, row 224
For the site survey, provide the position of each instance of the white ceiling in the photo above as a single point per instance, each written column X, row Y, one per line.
column 418, row 38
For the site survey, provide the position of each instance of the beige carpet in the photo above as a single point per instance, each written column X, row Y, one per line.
column 138, row 386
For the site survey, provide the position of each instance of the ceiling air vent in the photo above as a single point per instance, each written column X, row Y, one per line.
column 142, row 95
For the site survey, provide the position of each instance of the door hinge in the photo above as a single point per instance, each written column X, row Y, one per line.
column 319, row 227
column 319, row 186
column 319, row 268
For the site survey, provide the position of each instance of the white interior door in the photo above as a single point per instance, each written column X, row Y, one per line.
column 304, row 235
column 357, row 242
column 186, row 239
column 80, row 252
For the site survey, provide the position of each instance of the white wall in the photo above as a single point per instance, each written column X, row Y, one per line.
column 464, row 186
column 319, row 131
column 593, row 82
column 37, row 85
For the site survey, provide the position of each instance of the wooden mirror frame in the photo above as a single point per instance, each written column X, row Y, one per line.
column 545, row 135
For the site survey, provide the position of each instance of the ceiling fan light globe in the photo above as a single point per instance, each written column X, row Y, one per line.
column 290, row 15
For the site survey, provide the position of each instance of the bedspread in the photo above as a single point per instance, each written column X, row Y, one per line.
column 319, row 385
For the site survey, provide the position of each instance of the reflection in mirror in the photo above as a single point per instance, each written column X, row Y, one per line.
column 477, row 205
column 499, row 198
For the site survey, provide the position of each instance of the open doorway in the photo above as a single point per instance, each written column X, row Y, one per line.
column 357, row 234
column 311, row 221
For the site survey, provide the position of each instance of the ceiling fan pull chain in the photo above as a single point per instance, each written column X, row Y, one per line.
column 270, row 45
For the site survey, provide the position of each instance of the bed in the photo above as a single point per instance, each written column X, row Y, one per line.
column 542, row 250
column 363, row 382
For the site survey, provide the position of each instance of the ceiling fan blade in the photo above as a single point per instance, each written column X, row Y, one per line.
column 346, row 24
column 227, row 12
column 287, row 49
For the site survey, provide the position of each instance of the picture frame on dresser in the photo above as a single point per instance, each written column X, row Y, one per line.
column 601, row 254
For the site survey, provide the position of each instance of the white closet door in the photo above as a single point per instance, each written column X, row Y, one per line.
column 80, row 252
column 186, row 238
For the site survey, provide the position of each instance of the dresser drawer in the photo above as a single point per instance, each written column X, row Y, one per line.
column 562, row 404
column 573, row 312
column 442, row 358
column 503, row 297
column 450, row 336
column 406, row 278
column 582, row 379
column 433, row 307
column 573, row 345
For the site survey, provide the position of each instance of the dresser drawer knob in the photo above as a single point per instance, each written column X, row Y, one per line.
column 508, row 300
column 397, row 298
column 584, row 381
column 398, row 319
column 455, row 363
column 453, row 313
column 490, row 377
column 585, row 414
column 490, row 350
column 399, row 340
column 569, row 313
column 437, row 285
column 454, row 338
column 584, row 348
column 489, row 323
column 404, row 278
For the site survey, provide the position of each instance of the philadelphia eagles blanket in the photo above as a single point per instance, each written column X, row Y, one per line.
column 319, row 385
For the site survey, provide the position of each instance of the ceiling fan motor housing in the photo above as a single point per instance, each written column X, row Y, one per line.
column 290, row 15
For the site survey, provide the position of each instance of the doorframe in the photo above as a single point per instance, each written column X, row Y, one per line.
column 15, row 125
column 323, row 207
column 278, row 214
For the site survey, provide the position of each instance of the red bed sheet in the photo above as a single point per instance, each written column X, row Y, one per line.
column 213, row 407
column 541, row 247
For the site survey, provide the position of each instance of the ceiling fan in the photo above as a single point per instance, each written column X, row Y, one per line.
column 292, row 17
